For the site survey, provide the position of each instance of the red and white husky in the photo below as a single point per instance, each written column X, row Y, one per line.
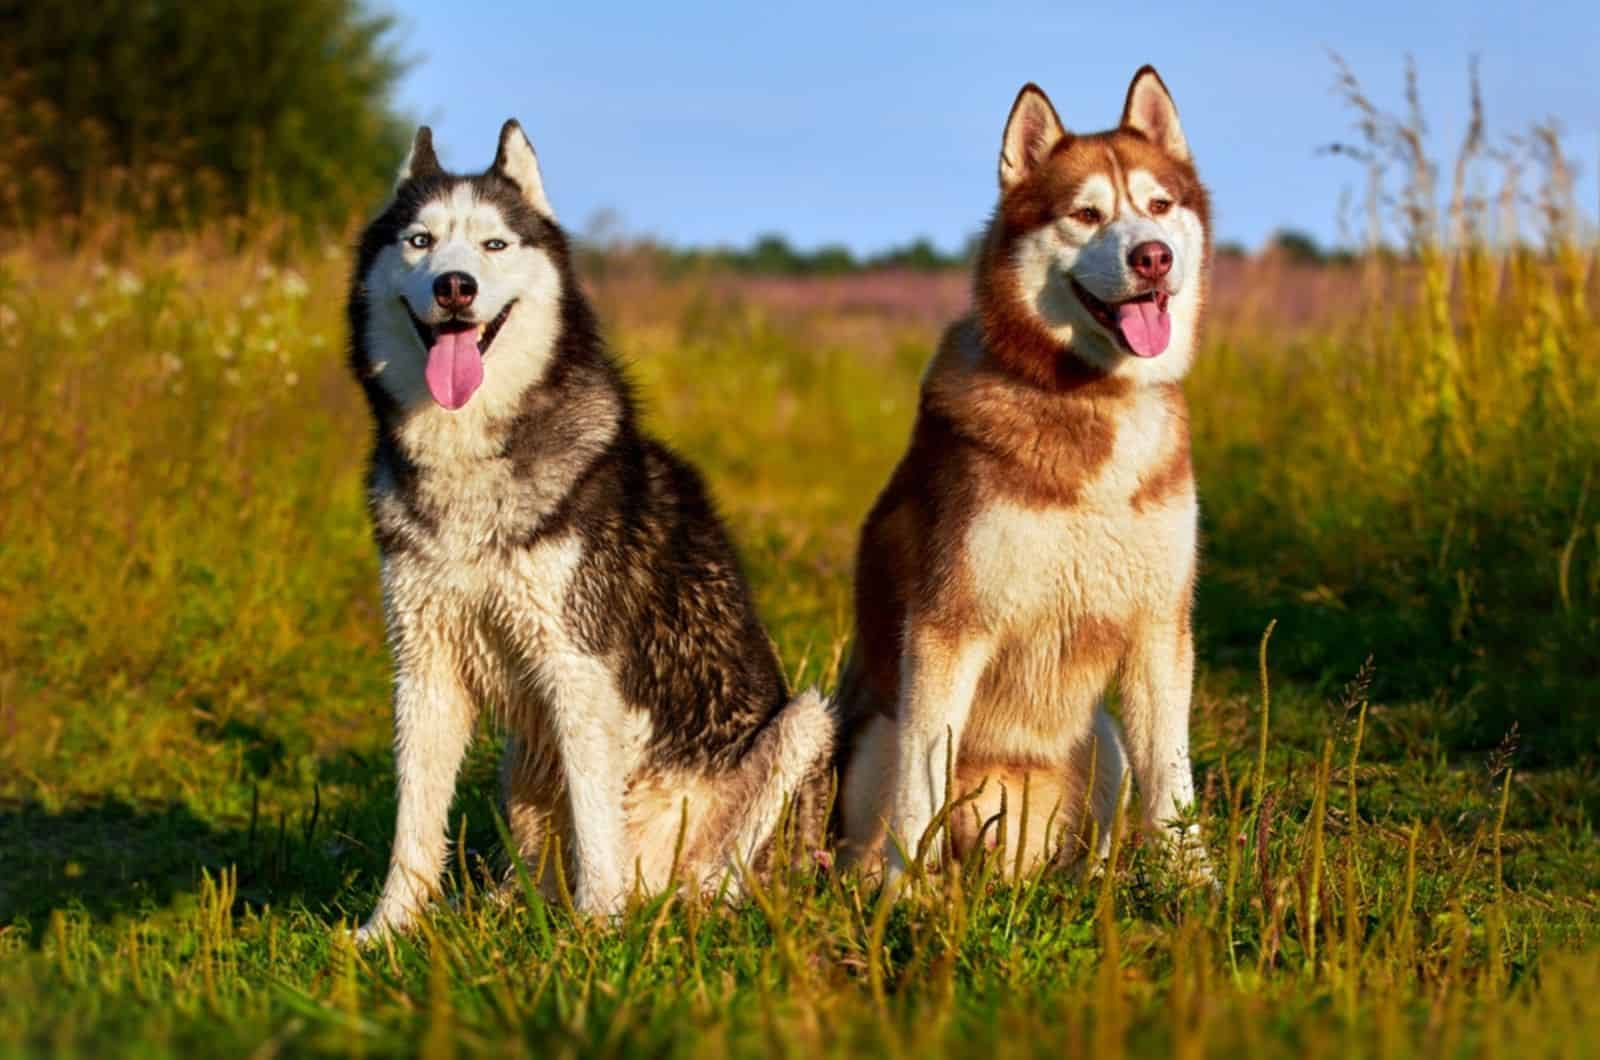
column 1037, row 539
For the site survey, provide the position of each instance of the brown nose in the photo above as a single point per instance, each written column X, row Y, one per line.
column 455, row 290
column 1152, row 260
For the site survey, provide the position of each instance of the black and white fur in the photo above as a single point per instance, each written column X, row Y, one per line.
column 544, row 560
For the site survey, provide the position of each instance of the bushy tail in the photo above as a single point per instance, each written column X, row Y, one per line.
column 789, row 765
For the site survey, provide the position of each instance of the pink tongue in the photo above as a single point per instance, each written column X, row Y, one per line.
column 455, row 368
column 1146, row 327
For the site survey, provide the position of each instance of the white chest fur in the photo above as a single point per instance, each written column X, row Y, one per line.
column 1030, row 566
column 491, row 610
column 1099, row 557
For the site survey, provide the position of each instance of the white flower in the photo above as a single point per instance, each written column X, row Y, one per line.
column 291, row 379
column 128, row 283
column 294, row 285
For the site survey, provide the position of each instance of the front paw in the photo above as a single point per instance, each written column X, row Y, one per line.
column 374, row 930
column 606, row 900
column 1186, row 856
column 893, row 879
column 389, row 918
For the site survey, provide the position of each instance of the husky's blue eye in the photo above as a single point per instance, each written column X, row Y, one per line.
column 422, row 240
column 495, row 244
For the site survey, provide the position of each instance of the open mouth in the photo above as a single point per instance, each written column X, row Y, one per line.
column 483, row 333
column 1141, row 324
column 455, row 354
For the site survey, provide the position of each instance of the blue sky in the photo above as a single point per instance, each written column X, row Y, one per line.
column 869, row 124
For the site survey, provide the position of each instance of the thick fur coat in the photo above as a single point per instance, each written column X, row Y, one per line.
column 546, row 561
column 1037, row 541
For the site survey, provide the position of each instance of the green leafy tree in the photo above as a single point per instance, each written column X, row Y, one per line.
column 179, row 111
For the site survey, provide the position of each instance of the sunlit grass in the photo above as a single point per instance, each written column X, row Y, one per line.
column 195, row 783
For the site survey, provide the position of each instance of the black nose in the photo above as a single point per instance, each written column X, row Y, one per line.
column 455, row 290
column 1152, row 260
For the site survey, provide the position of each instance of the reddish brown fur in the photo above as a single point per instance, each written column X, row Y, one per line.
column 978, row 437
column 1011, row 333
column 1031, row 422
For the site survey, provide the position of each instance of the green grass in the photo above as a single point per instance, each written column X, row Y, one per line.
column 196, row 787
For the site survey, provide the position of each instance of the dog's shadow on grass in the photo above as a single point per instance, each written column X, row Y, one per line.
column 325, row 851
column 108, row 858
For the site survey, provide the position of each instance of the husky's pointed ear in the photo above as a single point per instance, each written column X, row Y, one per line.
column 1032, row 130
column 1150, row 111
column 517, row 162
column 420, row 160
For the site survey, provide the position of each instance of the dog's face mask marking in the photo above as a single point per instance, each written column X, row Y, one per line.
column 461, row 268
column 1107, row 232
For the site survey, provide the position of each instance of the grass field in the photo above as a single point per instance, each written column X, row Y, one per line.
column 196, row 788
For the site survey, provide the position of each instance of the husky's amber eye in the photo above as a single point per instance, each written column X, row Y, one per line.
column 495, row 244
column 1160, row 206
column 421, row 241
column 1086, row 215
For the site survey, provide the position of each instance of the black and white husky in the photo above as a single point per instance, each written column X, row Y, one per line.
column 546, row 561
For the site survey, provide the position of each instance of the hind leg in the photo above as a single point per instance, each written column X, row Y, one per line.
column 864, row 794
column 785, row 771
column 710, row 829
column 1099, row 769
column 1059, row 813
column 530, row 790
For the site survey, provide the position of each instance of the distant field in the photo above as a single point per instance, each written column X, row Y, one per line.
column 1246, row 293
column 196, row 787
